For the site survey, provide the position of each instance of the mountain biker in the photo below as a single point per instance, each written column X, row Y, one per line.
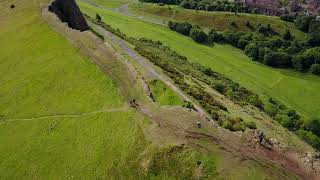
column 261, row 136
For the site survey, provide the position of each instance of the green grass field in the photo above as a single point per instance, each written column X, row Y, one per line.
column 163, row 94
column 296, row 90
column 213, row 20
column 110, row 3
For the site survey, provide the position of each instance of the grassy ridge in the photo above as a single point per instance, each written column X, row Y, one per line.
column 299, row 91
column 216, row 20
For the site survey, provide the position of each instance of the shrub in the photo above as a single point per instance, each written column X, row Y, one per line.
column 198, row 35
column 303, row 22
column 287, row 17
column 313, row 126
column 315, row 69
column 252, row 50
column 277, row 59
column 98, row 18
column 220, row 88
column 292, row 123
column 214, row 36
column 310, row 138
column 255, row 101
column 183, row 28
column 227, row 125
column 287, row 36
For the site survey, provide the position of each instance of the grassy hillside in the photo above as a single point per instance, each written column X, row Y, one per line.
column 42, row 74
column 216, row 20
column 296, row 90
column 61, row 117
column 163, row 94
column 110, row 3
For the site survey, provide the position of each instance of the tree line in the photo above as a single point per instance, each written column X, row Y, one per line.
column 282, row 52
column 207, row 5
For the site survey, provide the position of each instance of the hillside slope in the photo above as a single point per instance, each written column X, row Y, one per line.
column 64, row 113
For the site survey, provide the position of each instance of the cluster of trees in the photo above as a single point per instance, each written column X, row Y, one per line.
column 275, row 52
column 208, row 5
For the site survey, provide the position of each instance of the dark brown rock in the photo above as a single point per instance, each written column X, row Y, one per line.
column 12, row 6
column 69, row 12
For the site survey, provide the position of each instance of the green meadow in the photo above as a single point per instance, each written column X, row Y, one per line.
column 296, row 90
column 163, row 94
column 110, row 3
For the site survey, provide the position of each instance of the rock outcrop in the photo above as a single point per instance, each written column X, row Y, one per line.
column 69, row 12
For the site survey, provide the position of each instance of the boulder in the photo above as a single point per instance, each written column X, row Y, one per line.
column 69, row 12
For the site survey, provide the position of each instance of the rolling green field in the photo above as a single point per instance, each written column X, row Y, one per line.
column 110, row 3
column 214, row 20
column 163, row 94
column 296, row 90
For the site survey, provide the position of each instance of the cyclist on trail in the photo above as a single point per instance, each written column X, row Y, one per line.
column 261, row 136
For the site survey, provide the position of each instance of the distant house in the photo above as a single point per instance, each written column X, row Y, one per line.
column 314, row 7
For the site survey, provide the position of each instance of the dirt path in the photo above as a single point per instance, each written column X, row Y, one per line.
column 148, row 66
column 122, row 109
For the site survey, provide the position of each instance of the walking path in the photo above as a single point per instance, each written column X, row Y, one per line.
column 122, row 109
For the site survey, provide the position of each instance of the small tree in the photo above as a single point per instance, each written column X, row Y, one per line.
column 98, row 18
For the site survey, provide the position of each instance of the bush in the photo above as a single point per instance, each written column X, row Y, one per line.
column 291, row 123
column 310, row 138
column 220, row 88
column 315, row 69
column 287, row 17
column 277, row 59
column 198, row 35
column 252, row 50
column 303, row 22
column 214, row 36
column 313, row 126
column 183, row 28
column 98, row 18
column 255, row 101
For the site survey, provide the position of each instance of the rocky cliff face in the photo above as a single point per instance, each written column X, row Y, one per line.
column 69, row 12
